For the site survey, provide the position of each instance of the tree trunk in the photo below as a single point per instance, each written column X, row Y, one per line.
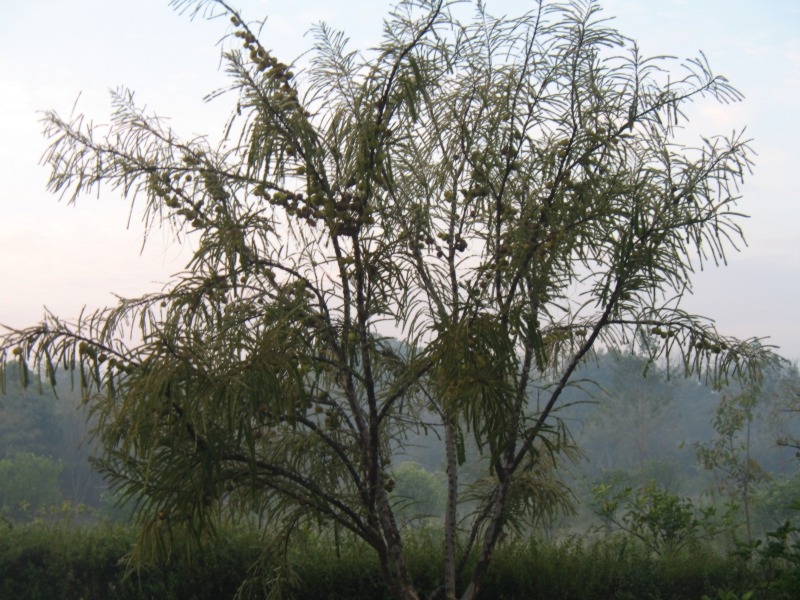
column 746, row 484
column 641, row 439
column 400, row 582
column 492, row 535
column 450, row 514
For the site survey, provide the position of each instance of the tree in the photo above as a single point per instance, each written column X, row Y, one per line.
column 419, row 491
column 29, row 421
column 39, row 423
column 728, row 455
column 28, row 484
column 772, row 505
column 784, row 408
column 506, row 193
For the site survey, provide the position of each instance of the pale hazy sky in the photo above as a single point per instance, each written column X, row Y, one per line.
column 66, row 257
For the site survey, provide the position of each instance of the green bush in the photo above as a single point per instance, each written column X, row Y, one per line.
column 664, row 522
column 778, row 559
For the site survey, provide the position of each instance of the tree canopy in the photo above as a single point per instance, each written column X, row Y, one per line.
column 435, row 234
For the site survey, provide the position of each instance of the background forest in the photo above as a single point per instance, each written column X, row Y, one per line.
column 629, row 431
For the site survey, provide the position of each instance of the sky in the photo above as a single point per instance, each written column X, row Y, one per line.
column 54, row 52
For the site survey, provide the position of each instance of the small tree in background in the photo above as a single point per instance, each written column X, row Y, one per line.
column 505, row 193
column 785, row 409
column 737, row 475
